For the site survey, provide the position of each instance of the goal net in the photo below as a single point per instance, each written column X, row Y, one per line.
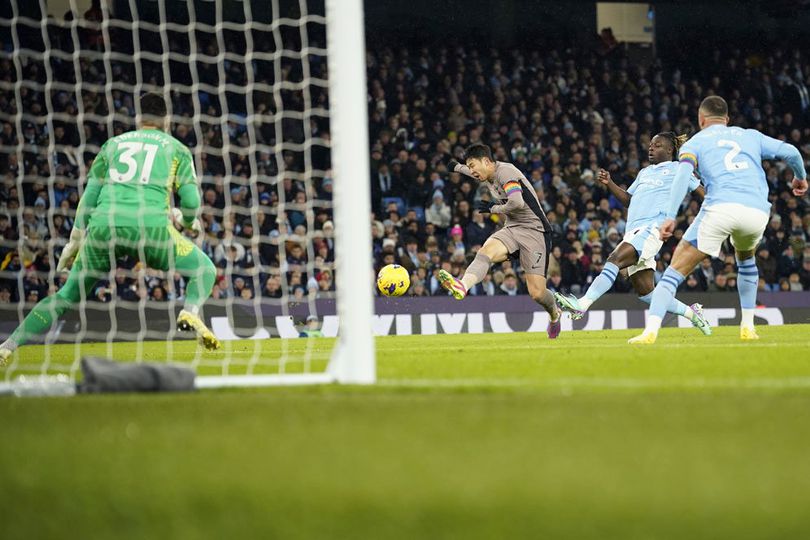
column 270, row 98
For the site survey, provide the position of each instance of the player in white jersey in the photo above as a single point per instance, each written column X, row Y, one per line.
column 646, row 200
column 729, row 160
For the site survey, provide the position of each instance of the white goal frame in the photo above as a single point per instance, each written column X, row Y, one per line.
column 353, row 359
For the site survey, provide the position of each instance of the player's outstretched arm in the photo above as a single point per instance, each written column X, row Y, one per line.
column 455, row 166
column 776, row 149
column 621, row 194
column 791, row 155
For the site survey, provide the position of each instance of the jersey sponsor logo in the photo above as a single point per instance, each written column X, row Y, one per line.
column 652, row 181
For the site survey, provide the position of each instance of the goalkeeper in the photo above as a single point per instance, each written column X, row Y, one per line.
column 125, row 210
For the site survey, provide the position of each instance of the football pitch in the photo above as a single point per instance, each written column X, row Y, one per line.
column 465, row 436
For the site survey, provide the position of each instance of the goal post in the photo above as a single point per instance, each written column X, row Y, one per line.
column 353, row 359
column 192, row 54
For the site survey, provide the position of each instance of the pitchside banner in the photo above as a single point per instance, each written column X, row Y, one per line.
column 237, row 319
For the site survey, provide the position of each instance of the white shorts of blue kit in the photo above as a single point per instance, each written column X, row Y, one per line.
column 713, row 224
column 647, row 241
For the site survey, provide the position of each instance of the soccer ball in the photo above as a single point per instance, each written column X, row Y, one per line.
column 393, row 280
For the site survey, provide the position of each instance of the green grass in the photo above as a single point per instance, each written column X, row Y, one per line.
column 467, row 436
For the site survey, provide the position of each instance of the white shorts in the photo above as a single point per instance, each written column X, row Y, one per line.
column 713, row 224
column 647, row 241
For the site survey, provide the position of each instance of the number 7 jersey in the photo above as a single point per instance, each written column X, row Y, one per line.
column 729, row 161
column 138, row 171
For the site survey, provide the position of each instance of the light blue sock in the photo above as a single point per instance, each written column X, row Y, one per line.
column 676, row 306
column 664, row 293
column 747, row 282
column 602, row 284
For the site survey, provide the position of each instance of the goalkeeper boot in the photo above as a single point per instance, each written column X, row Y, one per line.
column 748, row 333
column 455, row 286
column 5, row 354
column 569, row 303
column 699, row 320
column 189, row 322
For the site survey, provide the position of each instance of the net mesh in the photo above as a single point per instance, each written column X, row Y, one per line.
column 246, row 83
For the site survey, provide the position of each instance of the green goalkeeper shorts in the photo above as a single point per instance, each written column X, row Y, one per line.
column 157, row 247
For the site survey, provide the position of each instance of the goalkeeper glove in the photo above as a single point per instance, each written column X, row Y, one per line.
column 177, row 217
column 71, row 249
column 452, row 164
column 485, row 207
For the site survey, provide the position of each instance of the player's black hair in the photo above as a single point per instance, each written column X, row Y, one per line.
column 675, row 140
column 153, row 105
column 714, row 106
column 478, row 151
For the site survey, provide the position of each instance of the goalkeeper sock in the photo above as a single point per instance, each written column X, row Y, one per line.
column 602, row 284
column 39, row 320
column 9, row 345
column 476, row 271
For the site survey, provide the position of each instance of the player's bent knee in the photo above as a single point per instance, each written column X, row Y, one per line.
column 686, row 256
column 744, row 255
column 495, row 249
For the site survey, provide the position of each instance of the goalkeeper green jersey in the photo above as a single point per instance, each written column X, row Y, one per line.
column 132, row 178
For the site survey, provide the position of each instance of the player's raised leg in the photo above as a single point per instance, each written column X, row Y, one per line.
column 623, row 256
column 644, row 283
column 492, row 252
column 91, row 265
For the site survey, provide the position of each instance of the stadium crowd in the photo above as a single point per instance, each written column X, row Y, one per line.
column 558, row 115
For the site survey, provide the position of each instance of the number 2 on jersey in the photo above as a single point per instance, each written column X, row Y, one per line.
column 732, row 165
column 127, row 158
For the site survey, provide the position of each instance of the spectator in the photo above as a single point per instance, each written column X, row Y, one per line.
column 438, row 213
column 767, row 268
column 558, row 116
column 509, row 286
column 312, row 328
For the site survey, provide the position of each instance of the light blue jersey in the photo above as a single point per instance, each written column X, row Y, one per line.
column 729, row 160
column 650, row 194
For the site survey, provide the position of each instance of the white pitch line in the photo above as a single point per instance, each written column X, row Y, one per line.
column 605, row 382
column 559, row 347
